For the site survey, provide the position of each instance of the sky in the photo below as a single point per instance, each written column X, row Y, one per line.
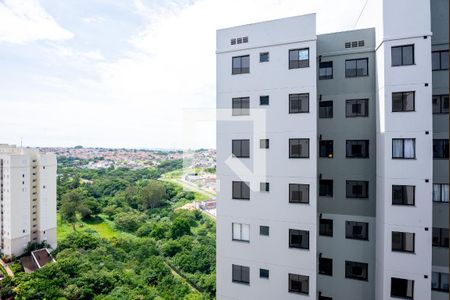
column 124, row 73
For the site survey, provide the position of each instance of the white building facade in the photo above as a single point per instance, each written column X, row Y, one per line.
column 332, row 158
column 28, row 198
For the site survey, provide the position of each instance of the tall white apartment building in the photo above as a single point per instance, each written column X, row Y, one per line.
column 27, row 197
column 332, row 157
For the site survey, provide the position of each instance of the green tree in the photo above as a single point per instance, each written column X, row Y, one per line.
column 180, row 227
column 152, row 194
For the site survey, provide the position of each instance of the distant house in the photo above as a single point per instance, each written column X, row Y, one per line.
column 36, row 260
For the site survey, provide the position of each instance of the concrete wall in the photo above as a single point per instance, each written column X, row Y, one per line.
column 275, row 79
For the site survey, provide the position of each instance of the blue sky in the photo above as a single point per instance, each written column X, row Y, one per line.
column 123, row 73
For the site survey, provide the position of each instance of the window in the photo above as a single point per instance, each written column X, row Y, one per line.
column 326, row 109
column 440, row 237
column 440, row 104
column 326, row 149
column 357, row 148
column 241, row 64
column 264, row 230
column 241, row 148
column 264, row 187
column 403, row 101
column 402, row 288
column 241, row 232
column 241, row 274
column 357, row 230
column 403, row 241
column 263, row 273
column 357, row 108
column 326, row 227
column 404, row 148
column 357, row 189
column 298, row 284
column 325, row 266
column 241, row 190
column 299, row 58
column 439, row 281
column 326, row 188
column 403, row 195
column 298, row 239
column 298, row 193
column 440, row 192
column 240, row 106
column 263, row 100
column 298, row 103
column 402, row 55
column 298, row 148
column 264, row 143
column 326, row 70
column 264, row 57
column 440, row 148
column 439, row 60
column 356, row 67
column 356, row 270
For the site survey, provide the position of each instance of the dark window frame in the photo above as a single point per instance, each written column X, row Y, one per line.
column 327, row 228
column 264, row 273
column 403, row 236
column 364, row 101
column 441, row 103
column 351, row 235
column 297, row 97
column 241, row 153
column 326, row 110
column 301, row 233
column 325, row 266
column 242, row 197
column 300, row 186
column 327, row 67
column 365, row 144
column 301, row 279
column 262, row 100
column 353, row 196
column 349, row 265
column 264, row 230
column 440, row 60
column 298, row 63
column 237, row 107
column 240, row 239
column 403, row 189
column 442, row 153
column 328, row 181
column 440, row 242
column 404, row 101
column 291, row 155
column 264, row 143
column 328, row 145
column 356, row 60
column 240, row 70
column 441, row 197
column 264, row 57
column 439, row 283
column 403, row 148
column 402, row 63
column 398, row 295
column 264, row 187
column 241, row 270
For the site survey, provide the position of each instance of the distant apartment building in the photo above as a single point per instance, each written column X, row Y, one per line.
column 332, row 158
column 27, row 197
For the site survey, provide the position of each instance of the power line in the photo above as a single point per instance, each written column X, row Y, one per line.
column 360, row 14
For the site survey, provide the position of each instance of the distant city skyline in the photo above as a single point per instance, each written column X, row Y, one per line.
column 125, row 74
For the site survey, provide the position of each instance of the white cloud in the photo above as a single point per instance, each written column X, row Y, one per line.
column 23, row 21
